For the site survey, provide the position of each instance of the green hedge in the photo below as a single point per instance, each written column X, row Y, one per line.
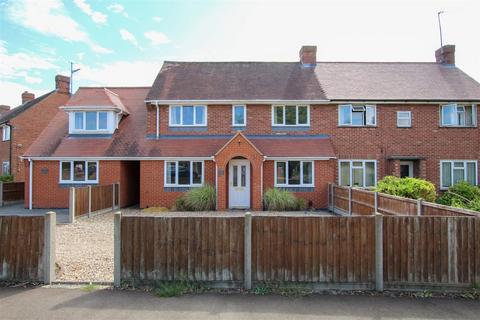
column 407, row 187
column 462, row 195
column 6, row 178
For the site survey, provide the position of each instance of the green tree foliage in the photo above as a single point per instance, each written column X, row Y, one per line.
column 462, row 195
column 407, row 187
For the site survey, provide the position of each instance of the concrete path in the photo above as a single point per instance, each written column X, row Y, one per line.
column 52, row 303
column 18, row 209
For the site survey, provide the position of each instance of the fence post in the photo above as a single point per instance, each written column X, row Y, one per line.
column 117, row 249
column 1, row 193
column 329, row 200
column 247, row 270
column 350, row 200
column 71, row 206
column 378, row 252
column 89, row 200
column 49, row 247
column 375, row 202
column 113, row 196
column 119, row 193
column 419, row 207
column 333, row 198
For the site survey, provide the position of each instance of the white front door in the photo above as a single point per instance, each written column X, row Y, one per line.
column 239, row 184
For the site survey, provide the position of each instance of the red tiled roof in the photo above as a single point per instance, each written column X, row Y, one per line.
column 424, row 81
column 95, row 97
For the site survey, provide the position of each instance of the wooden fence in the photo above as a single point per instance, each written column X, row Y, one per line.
column 11, row 192
column 27, row 248
column 359, row 252
column 355, row 201
column 93, row 199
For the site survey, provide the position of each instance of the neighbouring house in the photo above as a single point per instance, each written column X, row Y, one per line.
column 245, row 127
column 20, row 126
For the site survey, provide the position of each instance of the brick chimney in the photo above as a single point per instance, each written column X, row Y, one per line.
column 27, row 96
column 446, row 54
column 308, row 56
column 62, row 84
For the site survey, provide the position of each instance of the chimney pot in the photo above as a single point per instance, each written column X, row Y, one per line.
column 446, row 54
column 62, row 84
column 308, row 56
column 27, row 96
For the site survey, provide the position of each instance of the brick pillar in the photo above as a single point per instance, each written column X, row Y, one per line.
column 422, row 174
column 395, row 170
column 222, row 187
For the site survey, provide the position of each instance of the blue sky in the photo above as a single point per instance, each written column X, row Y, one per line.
column 125, row 42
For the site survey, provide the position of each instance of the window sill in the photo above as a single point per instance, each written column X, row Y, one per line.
column 188, row 129
column 76, row 184
column 290, row 128
column 296, row 188
column 347, row 126
column 458, row 127
column 179, row 188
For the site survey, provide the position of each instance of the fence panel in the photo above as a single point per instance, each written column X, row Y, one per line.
column 363, row 202
column 81, row 201
column 13, row 191
column 392, row 205
column 433, row 209
column 22, row 248
column 340, row 200
column 182, row 248
column 313, row 249
column 102, row 197
column 437, row 251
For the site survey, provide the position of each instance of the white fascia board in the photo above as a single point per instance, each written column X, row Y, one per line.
column 91, row 108
column 299, row 158
column 255, row 101
column 116, row 158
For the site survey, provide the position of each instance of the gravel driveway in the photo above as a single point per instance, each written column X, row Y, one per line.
column 85, row 249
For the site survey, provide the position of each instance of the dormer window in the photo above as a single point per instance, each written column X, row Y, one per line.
column 87, row 122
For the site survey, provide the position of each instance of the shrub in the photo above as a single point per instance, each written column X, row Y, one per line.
column 407, row 187
column 281, row 200
column 6, row 178
column 462, row 195
column 197, row 199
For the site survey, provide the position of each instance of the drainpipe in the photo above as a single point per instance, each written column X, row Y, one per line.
column 30, row 182
column 10, row 157
column 158, row 118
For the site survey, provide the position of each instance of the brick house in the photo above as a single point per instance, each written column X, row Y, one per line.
column 244, row 127
column 20, row 126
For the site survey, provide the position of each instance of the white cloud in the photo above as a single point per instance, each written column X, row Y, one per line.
column 20, row 64
column 156, row 38
column 80, row 55
column 49, row 18
column 119, row 73
column 118, row 8
column 96, row 16
column 157, row 19
column 127, row 36
column 12, row 91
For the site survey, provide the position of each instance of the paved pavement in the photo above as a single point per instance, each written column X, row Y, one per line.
column 18, row 209
column 55, row 303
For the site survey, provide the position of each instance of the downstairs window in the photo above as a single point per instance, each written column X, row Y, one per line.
column 357, row 173
column 453, row 171
column 79, row 171
column 183, row 173
column 294, row 173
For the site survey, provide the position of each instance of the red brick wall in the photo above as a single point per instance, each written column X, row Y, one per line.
column 27, row 127
column 152, row 192
column 48, row 193
column 425, row 138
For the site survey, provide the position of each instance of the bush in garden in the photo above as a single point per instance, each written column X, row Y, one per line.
column 6, row 178
column 276, row 199
column 407, row 187
column 462, row 195
column 197, row 199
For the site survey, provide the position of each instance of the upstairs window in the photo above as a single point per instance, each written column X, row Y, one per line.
column 291, row 115
column 188, row 116
column 454, row 115
column 239, row 115
column 404, row 119
column 357, row 173
column 79, row 172
column 294, row 173
column 6, row 133
column 453, row 171
column 90, row 121
column 183, row 173
column 357, row 116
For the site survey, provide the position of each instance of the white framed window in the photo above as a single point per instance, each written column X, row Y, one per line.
column 295, row 115
column 357, row 115
column 6, row 168
column 187, row 116
column 357, row 173
column 404, row 119
column 453, row 171
column 79, row 171
column 294, row 173
column 239, row 115
column 183, row 173
column 5, row 133
column 90, row 121
column 455, row 115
